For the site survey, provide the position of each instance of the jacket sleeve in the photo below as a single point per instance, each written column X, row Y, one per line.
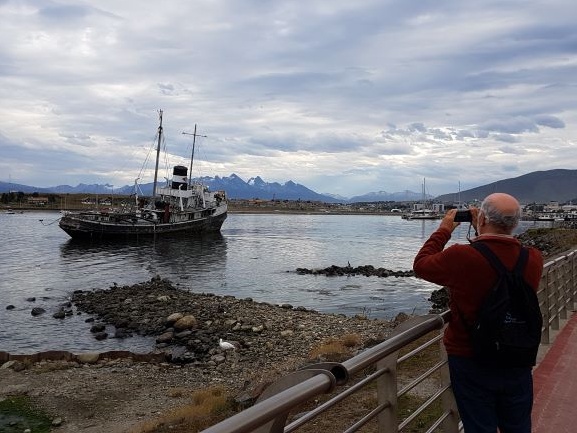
column 433, row 263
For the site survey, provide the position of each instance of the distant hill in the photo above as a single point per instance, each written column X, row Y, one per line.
column 387, row 196
column 538, row 186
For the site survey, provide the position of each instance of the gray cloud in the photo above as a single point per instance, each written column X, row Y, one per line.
column 63, row 14
column 507, row 138
column 549, row 121
column 511, row 126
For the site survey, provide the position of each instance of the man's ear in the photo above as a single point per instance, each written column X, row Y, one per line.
column 481, row 219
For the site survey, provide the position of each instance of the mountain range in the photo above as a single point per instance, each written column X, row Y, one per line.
column 539, row 186
column 235, row 187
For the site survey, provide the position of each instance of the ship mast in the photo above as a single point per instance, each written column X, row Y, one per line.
column 194, row 135
column 157, row 155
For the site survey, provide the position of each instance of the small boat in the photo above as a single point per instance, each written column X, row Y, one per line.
column 180, row 207
column 422, row 211
column 545, row 218
column 422, row 214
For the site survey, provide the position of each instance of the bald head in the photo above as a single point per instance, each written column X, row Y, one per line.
column 502, row 212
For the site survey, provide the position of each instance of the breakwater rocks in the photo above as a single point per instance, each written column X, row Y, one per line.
column 551, row 242
column 366, row 270
column 187, row 327
column 439, row 300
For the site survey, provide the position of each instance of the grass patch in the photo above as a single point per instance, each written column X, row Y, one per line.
column 206, row 408
column 409, row 403
column 18, row 414
column 422, row 360
column 336, row 349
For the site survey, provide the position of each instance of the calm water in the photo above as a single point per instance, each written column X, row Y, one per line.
column 255, row 256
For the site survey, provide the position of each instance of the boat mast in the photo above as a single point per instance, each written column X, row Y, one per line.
column 194, row 135
column 459, row 197
column 424, row 195
column 157, row 155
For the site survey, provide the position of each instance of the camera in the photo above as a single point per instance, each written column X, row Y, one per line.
column 463, row 216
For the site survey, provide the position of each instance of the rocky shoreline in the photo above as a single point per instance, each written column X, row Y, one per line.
column 187, row 327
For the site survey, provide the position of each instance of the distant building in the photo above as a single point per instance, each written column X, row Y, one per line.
column 552, row 206
column 38, row 201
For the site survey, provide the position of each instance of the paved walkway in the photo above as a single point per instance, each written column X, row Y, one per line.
column 555, row 384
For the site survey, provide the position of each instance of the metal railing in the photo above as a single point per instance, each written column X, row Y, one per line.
column 379, row 372
column 557, row 292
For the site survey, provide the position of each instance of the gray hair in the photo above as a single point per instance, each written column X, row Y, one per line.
column 495, row 216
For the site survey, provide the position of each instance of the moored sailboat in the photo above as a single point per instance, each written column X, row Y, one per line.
column 181, row 206
column 422, row 211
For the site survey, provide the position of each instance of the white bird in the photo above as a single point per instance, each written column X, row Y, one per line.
column 225, row 345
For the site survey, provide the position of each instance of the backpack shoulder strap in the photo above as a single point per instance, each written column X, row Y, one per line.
column 496, row 262
column 522, row 262
column 490, row 256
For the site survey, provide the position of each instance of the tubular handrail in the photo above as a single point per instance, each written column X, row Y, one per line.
column 333, row 401
column 557, row 294
column 393, row 344
column 268, row 409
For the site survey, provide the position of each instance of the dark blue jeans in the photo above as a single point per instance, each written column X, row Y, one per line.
column 488, row 397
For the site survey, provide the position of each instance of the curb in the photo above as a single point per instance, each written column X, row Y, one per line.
column 82, row 358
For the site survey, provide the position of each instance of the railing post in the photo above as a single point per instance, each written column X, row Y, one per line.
column 451, row 423
column 568, row 287
column 545, row 308
column 573, row 293
column 564, row 289
column 387, row 394
column 555, row 297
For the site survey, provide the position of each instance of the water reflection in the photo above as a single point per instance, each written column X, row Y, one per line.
column 73, row 246
column 202, row 259
column 175, row 248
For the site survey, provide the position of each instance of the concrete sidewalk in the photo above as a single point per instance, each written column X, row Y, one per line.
column 555, row 384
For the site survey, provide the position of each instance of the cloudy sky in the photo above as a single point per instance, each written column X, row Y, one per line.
column 344, row 97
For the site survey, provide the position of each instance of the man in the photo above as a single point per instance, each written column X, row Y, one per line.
column 487, row 397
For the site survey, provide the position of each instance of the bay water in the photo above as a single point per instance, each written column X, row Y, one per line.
column 255, row 256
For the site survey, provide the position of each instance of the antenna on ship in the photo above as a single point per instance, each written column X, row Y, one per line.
column 194, row 135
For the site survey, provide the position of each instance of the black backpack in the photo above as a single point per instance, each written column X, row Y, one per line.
column 507, row 332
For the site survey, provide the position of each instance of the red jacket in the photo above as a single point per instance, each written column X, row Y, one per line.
column 469, row 277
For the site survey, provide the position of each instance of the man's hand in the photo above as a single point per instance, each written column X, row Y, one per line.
column 448, row 221
column 474, row 216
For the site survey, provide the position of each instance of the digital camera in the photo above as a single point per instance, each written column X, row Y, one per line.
column 463, row 216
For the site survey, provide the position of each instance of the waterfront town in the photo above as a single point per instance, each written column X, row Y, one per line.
column 19, row 202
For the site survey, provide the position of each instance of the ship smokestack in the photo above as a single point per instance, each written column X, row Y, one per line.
column 179, row 178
